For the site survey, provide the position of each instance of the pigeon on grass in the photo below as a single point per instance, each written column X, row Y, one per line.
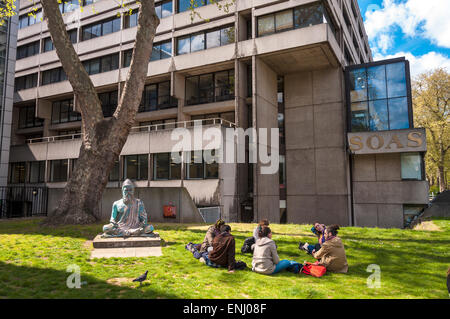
column 141, row 278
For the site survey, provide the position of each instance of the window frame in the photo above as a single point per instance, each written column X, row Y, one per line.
column 365, row 66
column 138, row 157
column 213, row 88
column 100, row 24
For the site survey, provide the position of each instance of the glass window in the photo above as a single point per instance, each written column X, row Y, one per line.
column 166, row 9
column 398, row 113
column 308, row 15
column 131, row 20
column 18, row 172
column 166, row 50
column 156, row 53
column 192, row 90
column 197, row 42
column 58, row 170
column 360, row 117
column 212, row 39
column 163, row 93
column 183, row 45
column 396, row 81
column 48, row 45
column 227, row 35
column 206, row 88
column 136, row 167
column 184, row 5
column 411, row 166
column 161, row 163
column 37, row 172
column 211, row 164
column 376, row 81
column 127, row 55
column 358, row 85
column 378, row 114
column 266, row 25
column 283, row 21
column 195, row 170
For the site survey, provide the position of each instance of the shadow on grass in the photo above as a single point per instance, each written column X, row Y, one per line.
column 31, row 282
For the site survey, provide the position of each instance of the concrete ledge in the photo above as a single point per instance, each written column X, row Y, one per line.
column 130, row 242
column 126, row 252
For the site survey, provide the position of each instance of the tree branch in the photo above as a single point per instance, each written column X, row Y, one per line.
column 83, row 88
column 130, row 98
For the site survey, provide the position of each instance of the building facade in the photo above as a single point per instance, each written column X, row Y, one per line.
column 260, row 64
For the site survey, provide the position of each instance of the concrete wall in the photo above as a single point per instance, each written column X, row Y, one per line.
column 379, row 191
column 316, row 162
column 154, row 199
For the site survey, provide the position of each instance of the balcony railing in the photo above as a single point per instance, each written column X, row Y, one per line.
column 138, row 129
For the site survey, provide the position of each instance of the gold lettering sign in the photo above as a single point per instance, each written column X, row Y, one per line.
column 356, row 140
column 418, row 140
column 395, row 140
column 380, row 142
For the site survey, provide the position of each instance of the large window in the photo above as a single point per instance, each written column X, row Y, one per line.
column 26, row 20
column 379, row 96
column 131, row 20
column 300, row 17
column 62, row 112
column 161, row 50
column 156, row 97
column 211, row 87
column 164, row 9
column 18, row 173
column 102, row 64
column 27, row 50
column 37, row 172
column 412, row 168
column 136, row 167
column 109, row 102
column 25, row 82
column 205, row 40
column 199, row 168
column 102, row 28
column 184, row 5
column 48, row 43
column 165, row 167
column 53, row 76
column 58, row 170
column 68, row 6
column 27, row 117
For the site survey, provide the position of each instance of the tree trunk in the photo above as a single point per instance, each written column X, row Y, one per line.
column 103, row 139
column 442, row 184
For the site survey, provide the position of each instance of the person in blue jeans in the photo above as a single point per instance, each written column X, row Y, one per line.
column 265, row 257
column 319, row 231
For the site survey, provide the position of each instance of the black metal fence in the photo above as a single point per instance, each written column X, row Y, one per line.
column 23, row 201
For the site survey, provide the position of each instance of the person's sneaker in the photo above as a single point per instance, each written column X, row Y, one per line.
column 305, row 247
column 202, row 260
column 300, row 245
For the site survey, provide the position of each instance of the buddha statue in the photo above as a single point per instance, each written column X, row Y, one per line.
column 128, row 217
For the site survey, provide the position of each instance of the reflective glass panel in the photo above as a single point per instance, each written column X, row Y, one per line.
column 360, row 117
column 396, row 79
column 284, row 20
column 213, row 39
column 358, row 85
column 376, row 81
column 378, row 115
column 266, row 25
column 411, row 166
column 398, row 113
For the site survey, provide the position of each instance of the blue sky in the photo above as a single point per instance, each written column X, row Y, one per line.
column 417, row 29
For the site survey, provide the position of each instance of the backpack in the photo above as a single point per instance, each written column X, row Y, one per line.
column 314, row 270
column 247, row 247
column 240, row 265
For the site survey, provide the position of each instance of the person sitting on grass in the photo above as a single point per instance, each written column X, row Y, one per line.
column 223, row 253
column 332, row 253
column 319, row 231
column 249, row 242
column 265, row 257
column 199, row 250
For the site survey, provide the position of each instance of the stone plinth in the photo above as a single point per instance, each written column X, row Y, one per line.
column 129, row 242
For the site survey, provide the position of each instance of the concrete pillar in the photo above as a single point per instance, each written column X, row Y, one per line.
column 267, row 190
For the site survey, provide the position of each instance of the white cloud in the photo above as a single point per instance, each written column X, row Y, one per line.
column 425, row 18
column 420, row 64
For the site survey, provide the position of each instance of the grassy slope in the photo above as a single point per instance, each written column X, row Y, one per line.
column 33, row 264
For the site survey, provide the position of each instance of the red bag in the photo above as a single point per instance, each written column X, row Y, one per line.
column 314, row 270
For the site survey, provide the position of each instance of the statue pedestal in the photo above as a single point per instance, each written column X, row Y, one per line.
column 142, row 246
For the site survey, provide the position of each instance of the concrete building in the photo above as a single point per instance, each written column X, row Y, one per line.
column 261, row 64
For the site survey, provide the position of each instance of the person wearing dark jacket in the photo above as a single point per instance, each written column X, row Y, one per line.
column 223, row 252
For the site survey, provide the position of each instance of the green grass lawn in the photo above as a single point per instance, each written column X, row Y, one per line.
column 33, row 263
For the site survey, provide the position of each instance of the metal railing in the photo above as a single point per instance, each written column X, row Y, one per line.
column 210, row 214
column 23, row 201
column 137, row 129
